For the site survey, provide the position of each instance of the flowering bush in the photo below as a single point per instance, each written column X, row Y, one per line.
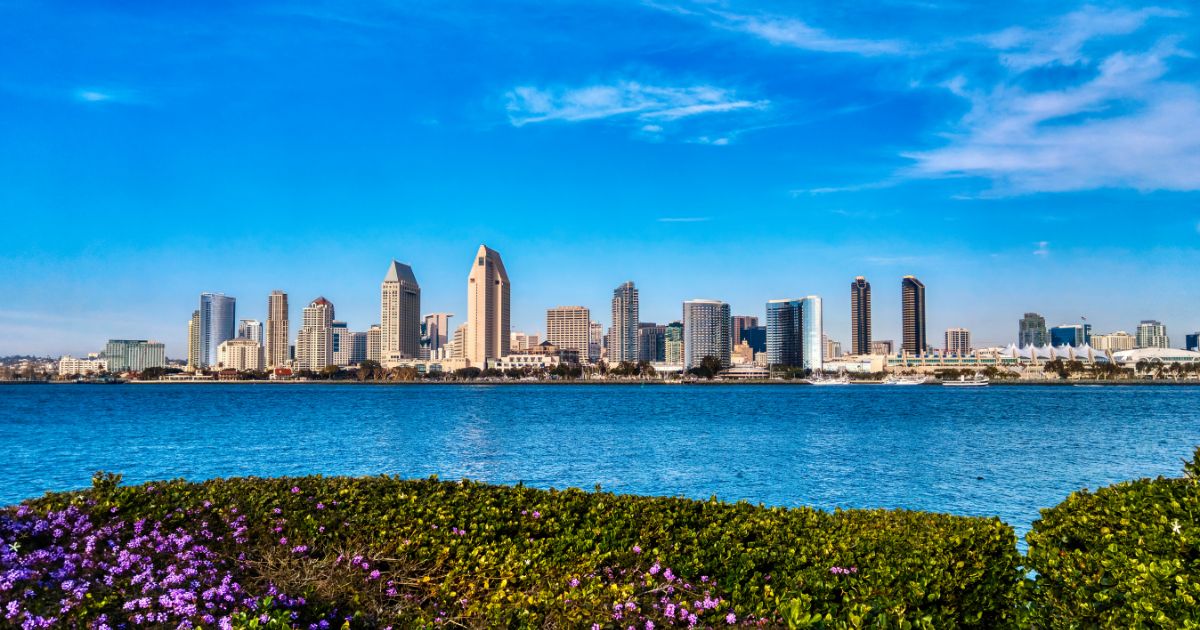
column 379, row 552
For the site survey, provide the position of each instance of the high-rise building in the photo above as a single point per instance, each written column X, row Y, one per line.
column 958, row 341
column 399, row 313
column 217, row 324
column 755, row 337
column 1192, row 342
column 569, row 328
column 1071, row 335
column 343, row 343
column 912, row 304
column 740, row 323
column 250, row 329
column 884, row 347
column 133, row 355
column 1114, row 341
column 488, row 299
column 314, row 343
column 812, row 323
column 651, row 340
column 276, row 344
column 785, row 336
column 596, row 342
column 1151, row 333
column 193, row 355
column 705, row 332
column 374, row 343
column 241, row 354
column 1031, row 331
column 860, row 316
column 358, row 347
column 437, row 332
column 623, row 344
column 673, row 344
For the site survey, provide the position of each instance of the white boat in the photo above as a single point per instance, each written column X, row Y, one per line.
column 842, row 379
column 896, row 379
column 979, row 381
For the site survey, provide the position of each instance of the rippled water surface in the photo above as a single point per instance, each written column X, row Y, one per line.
column 858, row 446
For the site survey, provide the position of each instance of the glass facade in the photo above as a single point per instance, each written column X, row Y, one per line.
column 1032, row 331
column 218, row 324
column 785, row 333
column 812, row 328
column 705, row 332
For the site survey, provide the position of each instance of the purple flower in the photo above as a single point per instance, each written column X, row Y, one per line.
column 574, row 582
column 295, row 489
column 637, row 549
column 731, row 619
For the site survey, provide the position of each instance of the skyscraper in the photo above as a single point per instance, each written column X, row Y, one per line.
column 569, row 328
column 1031, row 331
column 343, row 343
column 595, row 342
column 651, row 342
column 193, row 355
column 1151, row 333
column 958, row 341
column 785, row 338
column 374, row 343
column 275, row 346
column 812, row 324
column 314, row 343
column 399, row 313
column 1071, row 335
column 673, row 344
column 437, row 331
column 755, row 337
column 860, row 316
column 133, row 355
column 250, row 329
column 217, row 324
column 740, row 323
column 623, row 344
column 488, row 298
column 912, row 304
column 705, row 332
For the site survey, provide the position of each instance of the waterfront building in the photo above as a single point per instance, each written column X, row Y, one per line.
column 958, row 341
column 673, row 344
column 1031, row 331
column 596, row 342
column 883, row 346
column 133, row 355
column 241, row 354
column 343, row 344
column 912, row 305
column 90, row 366
column 756, row 338
column 795, row 333
column 1114, row 342
column 830, row 348
column 374, row 343
column 623, row 339
column 569, row 327
column 193, row 353
column 250, row 329
column 314, row 343
column 1156, row 355
column 217, row 324
column 742, row 354
column 399, row 313
column 740, row 323
column 1071, row 335
column 276, row 343
column 488, row 303
column 523, row 342
column 860, row 316
column 1151, row 333
column 358, row 348
column 651, row 340
column 458, row 342
column 1192, row 341
column 705, row 332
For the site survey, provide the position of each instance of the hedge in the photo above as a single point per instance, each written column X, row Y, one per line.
column 1125, row 556
column 377, row 552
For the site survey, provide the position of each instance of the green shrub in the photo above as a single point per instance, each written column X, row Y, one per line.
column 493, row 556
column 1125, row 556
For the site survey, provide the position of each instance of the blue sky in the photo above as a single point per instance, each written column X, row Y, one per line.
column 1032, row 157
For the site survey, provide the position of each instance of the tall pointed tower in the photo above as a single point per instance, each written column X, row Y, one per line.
column 399, row 314
column 487, row 325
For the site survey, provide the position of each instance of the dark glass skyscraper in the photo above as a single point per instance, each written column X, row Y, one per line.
column 785, row 333
column 1032, row 331
column 860, row 316
column 912, row 304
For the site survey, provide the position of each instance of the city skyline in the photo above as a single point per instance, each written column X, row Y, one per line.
column 781, row 151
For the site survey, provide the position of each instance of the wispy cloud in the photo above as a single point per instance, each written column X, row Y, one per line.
column 1043, row 249
column 107, row 95
column 1127, row 126
column 643, row 103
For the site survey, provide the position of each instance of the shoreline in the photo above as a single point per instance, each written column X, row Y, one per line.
column 626, row 383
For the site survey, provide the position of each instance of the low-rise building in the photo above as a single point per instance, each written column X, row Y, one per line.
column 240, row 355
column 71, row 366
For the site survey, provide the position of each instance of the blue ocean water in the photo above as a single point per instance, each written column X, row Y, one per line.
column 1004, row 451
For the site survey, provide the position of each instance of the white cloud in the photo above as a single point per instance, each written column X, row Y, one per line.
column 1043, row 249
column 1128, row 126
column 107, row 95
column 794, row 33
column 645, row 103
